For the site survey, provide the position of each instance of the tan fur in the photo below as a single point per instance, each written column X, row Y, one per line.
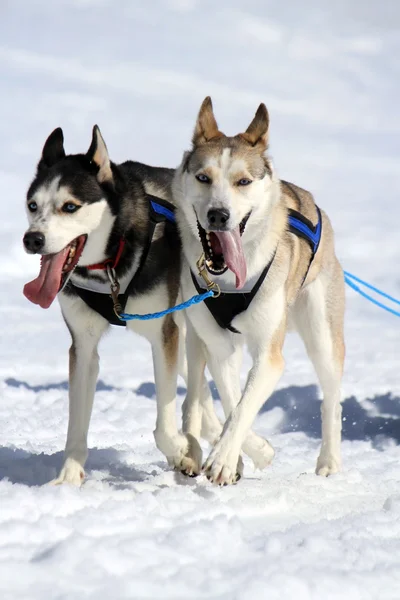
column 276, row 358
column 72, row 358
column 170, row 330
column 101, row 159
column 71, row 200
column 257, row 131
column 206, row 127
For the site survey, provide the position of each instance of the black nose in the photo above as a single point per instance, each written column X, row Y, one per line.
column 34, row 241
column 218, row 218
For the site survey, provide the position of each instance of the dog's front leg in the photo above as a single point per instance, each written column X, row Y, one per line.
column 83, row 372
column 226, row 375
column 268, row 365
column 179, row 449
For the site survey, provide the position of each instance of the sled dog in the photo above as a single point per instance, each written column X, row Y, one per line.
column 94, row 222
column 267, row 251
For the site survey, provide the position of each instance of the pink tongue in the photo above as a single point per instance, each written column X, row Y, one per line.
column 44, row 288
column 231, row 244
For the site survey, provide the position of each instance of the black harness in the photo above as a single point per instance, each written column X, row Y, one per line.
column 159, row 212
column 225, row 307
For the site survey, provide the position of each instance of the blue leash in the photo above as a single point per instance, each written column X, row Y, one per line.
column 350, row 278
column 195, row 300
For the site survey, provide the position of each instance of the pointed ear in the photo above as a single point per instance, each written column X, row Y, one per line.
column 206, row 126
column 257, row 131
column 98, row 154
column 53, row 149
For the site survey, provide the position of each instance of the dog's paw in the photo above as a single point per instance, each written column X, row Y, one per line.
column 263, row 456
column 259, row 450
column 190, row 463
column 327, row 465
column 182, row 451
column 72, row 472
column 223, row 468
column 172, row 446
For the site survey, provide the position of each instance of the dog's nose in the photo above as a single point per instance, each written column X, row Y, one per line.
column 33, row 241
column 218, row 218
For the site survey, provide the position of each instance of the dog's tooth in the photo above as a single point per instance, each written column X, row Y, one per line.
column 69, row 261
column 207, row 236
column 72, row 251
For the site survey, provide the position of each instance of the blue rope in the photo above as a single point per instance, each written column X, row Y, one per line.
column 350, row 278
column 195, row 300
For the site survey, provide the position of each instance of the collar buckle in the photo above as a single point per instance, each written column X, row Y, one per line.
column 211, row 285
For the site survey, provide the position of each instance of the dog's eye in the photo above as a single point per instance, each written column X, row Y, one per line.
column 203, row 178
column 244, row 181
column 32, row 206
column 69, row 207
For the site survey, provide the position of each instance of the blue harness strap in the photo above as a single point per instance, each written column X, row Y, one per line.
column 302, row 227
column 164, row 208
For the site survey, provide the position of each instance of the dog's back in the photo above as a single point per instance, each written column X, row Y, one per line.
column 155, row 180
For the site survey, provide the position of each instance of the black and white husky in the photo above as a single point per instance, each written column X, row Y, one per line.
column 94, row 222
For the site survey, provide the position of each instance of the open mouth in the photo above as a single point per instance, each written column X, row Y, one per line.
column 223, row 250
column 55, row 270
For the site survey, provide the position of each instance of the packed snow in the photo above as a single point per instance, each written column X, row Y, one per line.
column 329, row 73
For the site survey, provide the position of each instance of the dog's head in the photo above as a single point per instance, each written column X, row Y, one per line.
column 68, row 202
column 221, row 188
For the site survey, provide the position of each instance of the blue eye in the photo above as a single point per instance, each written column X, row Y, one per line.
column 32, row 206
column 203, row 178
column 244, row 181
column 69, row 207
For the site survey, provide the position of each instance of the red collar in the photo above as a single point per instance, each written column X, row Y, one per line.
column 109, row 261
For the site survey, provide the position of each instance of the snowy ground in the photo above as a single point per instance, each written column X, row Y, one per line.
column 329, row 73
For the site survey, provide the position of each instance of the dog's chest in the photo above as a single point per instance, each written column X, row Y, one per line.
column 101, row 284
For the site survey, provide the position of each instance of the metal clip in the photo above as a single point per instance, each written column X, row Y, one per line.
column 114, row 288
column 211, row 285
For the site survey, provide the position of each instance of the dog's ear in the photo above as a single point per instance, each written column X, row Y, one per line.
column 98, row 154
column 53, row 149
column 257, row 131
column 206, row 126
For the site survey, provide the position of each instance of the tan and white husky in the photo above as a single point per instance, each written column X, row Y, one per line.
column 271, row 252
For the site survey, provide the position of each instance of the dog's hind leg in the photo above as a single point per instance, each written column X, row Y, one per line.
column 86, row 328
column 181, row 450
column 318, row 316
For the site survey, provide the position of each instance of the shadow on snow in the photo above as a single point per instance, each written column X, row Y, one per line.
column 28, row 468
column 300, row 407
column 301, row 412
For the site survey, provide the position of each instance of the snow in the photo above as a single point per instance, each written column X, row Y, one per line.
column 329, row 75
